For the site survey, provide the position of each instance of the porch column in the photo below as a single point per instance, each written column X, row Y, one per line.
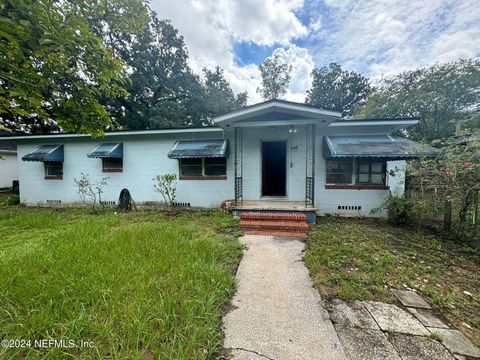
column 310, row 166
column 238, row 166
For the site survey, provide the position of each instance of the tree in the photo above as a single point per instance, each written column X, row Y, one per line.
column 219, row 96
column 164, row 91
column 54, row 69
column 446, row 98
column 337, row 89
column 275, row 77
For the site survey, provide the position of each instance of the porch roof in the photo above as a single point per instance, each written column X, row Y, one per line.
column 380, row 146
column 199, row 149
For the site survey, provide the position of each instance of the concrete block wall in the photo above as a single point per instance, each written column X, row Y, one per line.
column 144, row 158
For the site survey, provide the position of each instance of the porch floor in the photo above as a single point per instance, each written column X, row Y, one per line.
column 278, row 205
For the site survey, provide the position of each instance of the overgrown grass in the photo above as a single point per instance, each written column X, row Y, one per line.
column 138, row 285
column 362, row 258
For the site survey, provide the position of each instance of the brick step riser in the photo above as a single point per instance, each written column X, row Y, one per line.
column 275, row 227
column 270, row 216
column 278, row 233
column 274, row 221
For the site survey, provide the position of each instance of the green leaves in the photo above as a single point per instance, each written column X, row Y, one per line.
column 275, row 78
column 446, row 97
column 55, row 69
column 337, row 89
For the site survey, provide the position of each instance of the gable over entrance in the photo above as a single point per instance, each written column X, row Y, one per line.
column 277, row 112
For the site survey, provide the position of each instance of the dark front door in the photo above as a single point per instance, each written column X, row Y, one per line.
column 274, row 168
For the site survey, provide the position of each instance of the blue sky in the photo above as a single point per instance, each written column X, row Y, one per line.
column 375, row 37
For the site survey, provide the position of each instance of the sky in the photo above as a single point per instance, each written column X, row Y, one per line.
column 377, row 38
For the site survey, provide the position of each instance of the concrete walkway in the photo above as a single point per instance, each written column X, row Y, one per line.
column 276, row 312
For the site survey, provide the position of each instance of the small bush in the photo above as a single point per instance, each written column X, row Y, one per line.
column 399, row 209
column 166, row 185
column 11, row 200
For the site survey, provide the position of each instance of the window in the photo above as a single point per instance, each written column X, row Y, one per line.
column 215, row 166
column 372, row 173
column 339, row 171
column 191, row 167
column 203, row 167
column 53, row 170
column 112, row 164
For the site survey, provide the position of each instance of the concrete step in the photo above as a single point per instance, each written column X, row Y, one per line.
column 273, row 225
column 284, row 216
column 290, row 234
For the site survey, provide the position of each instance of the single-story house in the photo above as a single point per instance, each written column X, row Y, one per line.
column 8, row 163
column 275, row 155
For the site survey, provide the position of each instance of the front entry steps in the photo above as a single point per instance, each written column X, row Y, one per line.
column 275, row 224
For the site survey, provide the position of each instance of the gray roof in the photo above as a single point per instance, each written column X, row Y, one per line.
column 199, row 149
column 381, row 146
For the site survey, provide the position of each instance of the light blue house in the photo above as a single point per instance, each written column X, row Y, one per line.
column 275, row 155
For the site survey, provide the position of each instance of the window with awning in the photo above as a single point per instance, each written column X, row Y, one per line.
column 378, row 146
column 111, row 155
column 201, row 159
column 52, row 158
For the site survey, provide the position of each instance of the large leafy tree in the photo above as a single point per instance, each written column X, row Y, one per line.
column 55, row 68
column 163, row 90
column 275, row 77
column 219, row 96
column 338, row 89
column 446, row 98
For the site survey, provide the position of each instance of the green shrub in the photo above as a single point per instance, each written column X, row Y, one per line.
column 399, row 209
column 11, row 200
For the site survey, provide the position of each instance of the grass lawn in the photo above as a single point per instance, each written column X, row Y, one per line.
column 138, row 285
column 362, row 258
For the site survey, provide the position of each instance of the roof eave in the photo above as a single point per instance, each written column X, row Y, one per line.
column 120, row 133
column 400, row 123
column 8, row 152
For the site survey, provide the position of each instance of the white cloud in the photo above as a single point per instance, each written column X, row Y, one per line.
column 210, row 26
column 375, row 37
column 381, row 38
column 302, row 66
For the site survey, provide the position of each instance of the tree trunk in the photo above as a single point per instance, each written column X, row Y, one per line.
column 475, row 212
column 447, row 216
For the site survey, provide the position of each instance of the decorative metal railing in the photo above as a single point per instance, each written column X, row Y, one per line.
column 238, row 167
column 310, row 166
column 238, row 191
column 309, row 191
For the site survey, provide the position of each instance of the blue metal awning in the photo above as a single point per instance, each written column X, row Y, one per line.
column 199, row 149
column 107, row 150
column 45, row 153
column 380, row 146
